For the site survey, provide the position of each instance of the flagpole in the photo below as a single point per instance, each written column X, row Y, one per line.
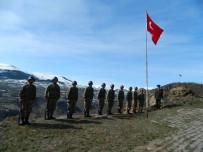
column 146, row 70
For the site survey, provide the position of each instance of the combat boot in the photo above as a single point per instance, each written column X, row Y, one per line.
column 119, row 110
column 88, row 115
column 85, row 113
column 70, row 116
column 22, row 121
column 51, row 116
column 27, row 121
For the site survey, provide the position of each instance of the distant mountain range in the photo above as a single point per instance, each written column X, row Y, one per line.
column 12, row 79
column 11, row 72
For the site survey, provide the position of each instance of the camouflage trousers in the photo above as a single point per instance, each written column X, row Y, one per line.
column 101, row 105
column 135, row 105
column 120, row 105
column 26, row 107
column 141, row 104
column 158, row 103
column 87, row 104
column 51, row 104
column 71, row 106
column 129, row 104
column 110, row 105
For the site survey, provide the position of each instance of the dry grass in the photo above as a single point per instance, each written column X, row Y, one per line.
column 107, row 133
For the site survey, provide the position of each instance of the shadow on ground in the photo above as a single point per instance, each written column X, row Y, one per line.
column 78, row 121
column 53, row 126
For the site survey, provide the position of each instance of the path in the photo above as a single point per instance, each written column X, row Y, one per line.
column 188, row 138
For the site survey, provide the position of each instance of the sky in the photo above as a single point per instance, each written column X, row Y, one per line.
column 104, row 40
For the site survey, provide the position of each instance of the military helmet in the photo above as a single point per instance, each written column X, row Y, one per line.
column 55, row 78
column 103, row 84
column 130, row 88
column 31, row 78
column 136, row 88
column 74, row 83
column 121, row 86
column 112, row 86
column 90, row 82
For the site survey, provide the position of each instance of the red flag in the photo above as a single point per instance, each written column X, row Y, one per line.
column 153, row 29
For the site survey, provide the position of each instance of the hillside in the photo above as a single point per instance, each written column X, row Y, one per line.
column 168, row 129
column 175, row 127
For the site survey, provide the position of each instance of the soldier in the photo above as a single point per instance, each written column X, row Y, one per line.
column 135, row 100
column 141, row 98
column 72, row 97
column 110, row 98
column 52, row 95
column 158, row 96
column 129, row 98
column 121, row 97
column 88, row 97
column 27, row 96
column 101, row 97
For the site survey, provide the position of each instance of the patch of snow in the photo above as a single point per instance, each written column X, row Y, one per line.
column 7, row 67
column 42, row 76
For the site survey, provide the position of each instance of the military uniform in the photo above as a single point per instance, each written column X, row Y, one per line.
column 141, row 98
column 52, row 94
column 135, row 94
column 72, row 96
column 129, row 98
column 120, row 97
column 110, row 98
column 27, row 96
column 101, row 97
column 88, row 97
column 158, row 97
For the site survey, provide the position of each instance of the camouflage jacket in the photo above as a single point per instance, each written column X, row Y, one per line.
column 129, row 96
column 89, row 93
column 28, row 92
column 72, row 94
column 111, row 94
column 121, row 95
column 141, row 97
column 53, row 91
column 159, row 94
column 135, row 95
column 102, row 94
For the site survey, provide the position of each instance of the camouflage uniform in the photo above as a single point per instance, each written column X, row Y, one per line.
column 129, row 98
column 101, row 97
column 52, row 94
column 72, row 96
column 88, row 97
column 121, row 97
column 141, row 98
column 135, row 94
column 110, row 98
column 158, row 97
column 27, row 96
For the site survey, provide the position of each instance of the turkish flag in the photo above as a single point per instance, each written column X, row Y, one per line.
column 153, row 29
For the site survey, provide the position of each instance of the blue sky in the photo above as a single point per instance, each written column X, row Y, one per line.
column 104, row 40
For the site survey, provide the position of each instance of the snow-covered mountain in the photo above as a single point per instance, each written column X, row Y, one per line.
column 8, row 71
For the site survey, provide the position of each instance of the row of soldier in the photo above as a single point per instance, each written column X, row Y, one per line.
column 110, row 96
column 52, row 94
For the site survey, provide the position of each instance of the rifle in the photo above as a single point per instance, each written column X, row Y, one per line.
column 68, row 105
column 46, row 113
column 20, row 112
